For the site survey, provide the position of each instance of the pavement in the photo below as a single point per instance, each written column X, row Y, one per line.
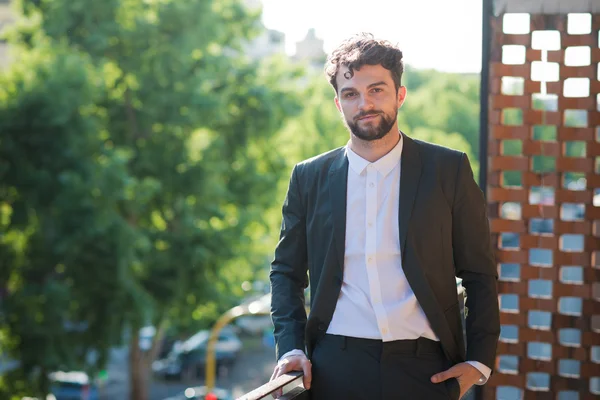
column 252, row 369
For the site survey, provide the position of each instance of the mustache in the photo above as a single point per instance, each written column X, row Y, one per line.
column 362, row 115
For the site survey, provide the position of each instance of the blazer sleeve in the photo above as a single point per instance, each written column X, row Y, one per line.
column 475, row 264
column 288, row 274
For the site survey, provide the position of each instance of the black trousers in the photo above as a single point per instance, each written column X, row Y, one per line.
column 348, row 368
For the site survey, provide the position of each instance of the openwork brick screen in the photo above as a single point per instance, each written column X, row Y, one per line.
column 544, row 201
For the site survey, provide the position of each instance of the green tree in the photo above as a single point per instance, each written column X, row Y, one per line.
column 187, row 125
column 319, row 128
column 445, row 102
column 64, row 248
column 452, row 140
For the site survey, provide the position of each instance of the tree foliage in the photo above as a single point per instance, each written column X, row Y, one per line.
column 63, row 242
column 136, row 160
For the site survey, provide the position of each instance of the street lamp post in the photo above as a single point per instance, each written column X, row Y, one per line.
column 257, row 307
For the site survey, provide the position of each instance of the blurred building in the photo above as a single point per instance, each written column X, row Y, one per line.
column 310, row 49
column 269, row 42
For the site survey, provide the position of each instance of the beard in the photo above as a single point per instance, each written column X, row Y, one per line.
column 372, row 130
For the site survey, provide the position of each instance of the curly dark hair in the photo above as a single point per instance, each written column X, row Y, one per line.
column 364, row 49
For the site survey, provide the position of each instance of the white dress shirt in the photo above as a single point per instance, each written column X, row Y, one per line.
column 376, row 300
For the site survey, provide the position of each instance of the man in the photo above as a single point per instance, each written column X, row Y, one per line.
column 382, row 226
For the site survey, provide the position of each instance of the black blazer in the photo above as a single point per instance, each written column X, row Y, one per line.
column 444, row 233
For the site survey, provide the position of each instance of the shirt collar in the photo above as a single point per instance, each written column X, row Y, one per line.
column 384, row 165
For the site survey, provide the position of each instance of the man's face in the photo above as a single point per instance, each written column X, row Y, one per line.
column 369, row 101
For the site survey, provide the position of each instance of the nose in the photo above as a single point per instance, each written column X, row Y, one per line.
column 365, row 103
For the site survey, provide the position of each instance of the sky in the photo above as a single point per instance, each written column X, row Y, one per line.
column 440, row 34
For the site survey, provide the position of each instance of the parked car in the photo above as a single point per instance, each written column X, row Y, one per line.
column 146, row 336
column 189, row 358
column 254, row 324
column 74, row 385
column 259, row 318
column 199, row 393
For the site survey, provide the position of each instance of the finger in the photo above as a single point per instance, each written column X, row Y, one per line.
column 442, row 376
column 275, row 372
column 461, row 387
column 276, row 394
column 278, row 371
column 307, row 370
column 283, row 369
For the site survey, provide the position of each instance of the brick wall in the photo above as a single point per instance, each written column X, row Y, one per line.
column 543, row 177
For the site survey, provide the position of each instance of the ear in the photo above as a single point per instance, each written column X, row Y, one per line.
column 337, row 104
column 401, row 95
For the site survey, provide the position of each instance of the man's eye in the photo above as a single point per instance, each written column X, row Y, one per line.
column 348, row 95
column 377, row 90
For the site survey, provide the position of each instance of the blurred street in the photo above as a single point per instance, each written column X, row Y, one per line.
column 252, row 369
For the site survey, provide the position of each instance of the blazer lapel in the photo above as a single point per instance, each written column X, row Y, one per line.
column 338, row 186
column 410, row 174
column 411, row 169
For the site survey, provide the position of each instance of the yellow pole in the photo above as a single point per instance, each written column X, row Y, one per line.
column 211, row 361
column 254, row 308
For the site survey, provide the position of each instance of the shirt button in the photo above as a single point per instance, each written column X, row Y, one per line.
column 370, row 259
column 384, row 331
column 370, row 224
column 371, row 184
